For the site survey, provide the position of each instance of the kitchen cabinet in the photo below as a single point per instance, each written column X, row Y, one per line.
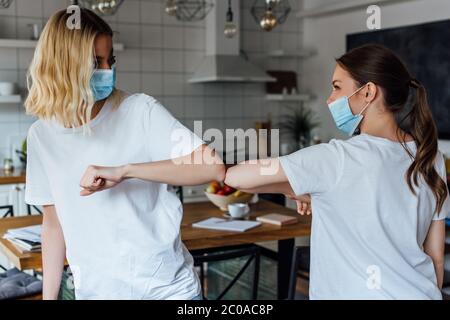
column 14, row 195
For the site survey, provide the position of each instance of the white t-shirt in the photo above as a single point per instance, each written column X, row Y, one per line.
column 124, row 242
column 368, row 228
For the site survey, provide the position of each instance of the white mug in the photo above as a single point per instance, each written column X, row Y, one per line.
column 238, row 210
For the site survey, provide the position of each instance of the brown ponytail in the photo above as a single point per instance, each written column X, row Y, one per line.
column 424, row 131
column 379, row 65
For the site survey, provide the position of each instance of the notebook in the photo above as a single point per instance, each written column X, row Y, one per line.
column 277, row 219
column 226, row 224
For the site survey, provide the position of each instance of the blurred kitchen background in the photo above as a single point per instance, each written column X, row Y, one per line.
column 172, row 58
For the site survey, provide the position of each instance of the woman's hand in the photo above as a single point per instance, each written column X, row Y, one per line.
column 97, row 178
column 303, row 203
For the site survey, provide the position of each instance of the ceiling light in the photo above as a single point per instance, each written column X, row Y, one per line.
column 270, row 13
column 188, row 10
column 102, row 7
column 4, row 4
column 230, row 29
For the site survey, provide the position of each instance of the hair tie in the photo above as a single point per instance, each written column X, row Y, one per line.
column 414, row 83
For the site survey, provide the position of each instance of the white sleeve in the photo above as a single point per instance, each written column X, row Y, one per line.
column 166, row 137
column 37, row 187
column 440, row 168
column 316, row 169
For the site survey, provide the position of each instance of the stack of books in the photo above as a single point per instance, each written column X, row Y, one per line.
column 27, row 239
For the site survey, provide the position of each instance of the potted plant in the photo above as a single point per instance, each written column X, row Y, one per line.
column 297, row 125
column 23, row 153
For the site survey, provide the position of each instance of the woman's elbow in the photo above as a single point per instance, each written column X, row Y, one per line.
column 219, row 172
column 232, row 179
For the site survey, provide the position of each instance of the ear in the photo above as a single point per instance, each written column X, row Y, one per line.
column 370, row 92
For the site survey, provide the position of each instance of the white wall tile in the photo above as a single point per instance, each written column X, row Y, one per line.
column 194, row 107
column 9, row 113
column 195, row 38
column 175, row 105
column 8, row 28
column 22, row 82
column 152, row 84
column 9, row 75
column 173, row 37
column 173, row 61
column 128, row 34
column 152, row 12
column 6, row 130
column 173, row 84
column 151, row 60
column 129, row 60
column 25, row 57
column 29, row 8
column 233, row 107
column 129, row 11
column 129, row 81
column 192, row 89
column 52, row 6
column 192, row 60
column 8, row 59
column 151, row 36
column 214, row 107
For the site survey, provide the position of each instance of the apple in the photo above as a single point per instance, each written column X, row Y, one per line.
column 216, row 184
column 221, row 192
column 213, row 187
column 228, row 189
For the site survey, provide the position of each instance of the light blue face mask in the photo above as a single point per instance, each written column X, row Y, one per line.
column 103, row 82
column 343, row 116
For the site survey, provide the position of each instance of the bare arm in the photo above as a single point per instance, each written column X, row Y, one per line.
column 259, row 176
column 283, row 187
column 53, row 253
column 265, row 176
column 434, row 247
column 201, row 166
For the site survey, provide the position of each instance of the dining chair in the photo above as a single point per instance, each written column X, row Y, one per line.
column 9, row 211
column 252, row 252
column 30, row 207
column 299, row 269
column 226, row 253
column 15, row 284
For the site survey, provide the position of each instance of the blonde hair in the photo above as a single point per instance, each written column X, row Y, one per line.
column 58, row 78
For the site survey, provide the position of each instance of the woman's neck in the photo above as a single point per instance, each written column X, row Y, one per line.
column 97, row 107
column 386, row 127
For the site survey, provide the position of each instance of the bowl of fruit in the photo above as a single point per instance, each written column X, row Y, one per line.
column 222, row 195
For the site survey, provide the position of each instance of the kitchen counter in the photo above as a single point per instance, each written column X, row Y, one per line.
column 16, row 176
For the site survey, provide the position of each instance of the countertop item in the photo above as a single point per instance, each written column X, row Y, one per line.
column 13, row 177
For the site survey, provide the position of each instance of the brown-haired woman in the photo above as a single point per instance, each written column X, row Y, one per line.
column 379, row 198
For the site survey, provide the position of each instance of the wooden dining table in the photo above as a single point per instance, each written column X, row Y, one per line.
column 196, row 238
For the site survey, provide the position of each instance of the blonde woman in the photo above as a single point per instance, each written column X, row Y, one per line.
column 122, row 243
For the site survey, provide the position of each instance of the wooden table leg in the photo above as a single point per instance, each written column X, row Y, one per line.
column 285, row 254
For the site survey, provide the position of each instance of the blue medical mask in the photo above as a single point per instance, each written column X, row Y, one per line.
column 103, row 82
column 343, row 116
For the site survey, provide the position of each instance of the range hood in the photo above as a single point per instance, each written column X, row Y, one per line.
column 223, row 61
